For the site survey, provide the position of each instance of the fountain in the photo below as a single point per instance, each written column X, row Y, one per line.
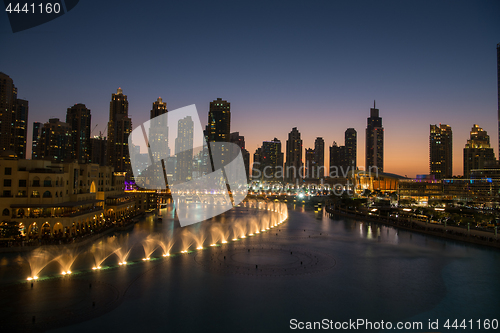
column 266, row 215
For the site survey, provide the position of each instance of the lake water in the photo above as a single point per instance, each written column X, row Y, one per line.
column 310, row 268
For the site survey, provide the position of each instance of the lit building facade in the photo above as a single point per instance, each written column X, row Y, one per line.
column 13, row 119
column 441, row 151
column 51, row 199
column 294, row 164
column 319, row 159
column 477, row 151
column 374, row 141
column 119, row 128
column 78, row 117
column 56, row 142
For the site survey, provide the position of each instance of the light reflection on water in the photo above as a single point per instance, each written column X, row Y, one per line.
column 393, row 276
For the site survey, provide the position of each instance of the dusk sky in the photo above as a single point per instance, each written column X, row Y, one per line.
column 314, row 65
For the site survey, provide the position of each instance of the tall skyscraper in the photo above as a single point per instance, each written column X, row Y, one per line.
column 311, row 169
column 293, row 166
column 374, row 141
column 256, row 167
column 441, row 151
column 158, row 130
column 338, row 165
column 319, row 159
column 184, row 149
column 271, row 161
column 13, row 118
column 37, row 131
column 78, row 117
column 219, row 121
column 56, row 142
column 498, row 95
column 477, row 151
column 239, row 140
column 119, row 128
column 351, row 144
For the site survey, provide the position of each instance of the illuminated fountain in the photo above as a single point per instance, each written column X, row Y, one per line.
column 262, row 216
column 38, row 259
column 102, row 251
column 150, row 244
column 66, row 260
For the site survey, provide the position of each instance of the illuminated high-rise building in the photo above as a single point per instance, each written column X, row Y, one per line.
column 351, row 144
column 119, row 128
column 441, row 151
column 498, row 95
column 219, row 121
column 158, row 130
column 310, row 170
column 184, row 149
column 374, row 141
column 13, row 119
column 256, row 166
column 294, row 164
column 37, row 131
column 271, row 160
column 319, row 159
column 78, row 117
column 477, row 151
column 338, row 165
column 56, row 142
column 239, row 140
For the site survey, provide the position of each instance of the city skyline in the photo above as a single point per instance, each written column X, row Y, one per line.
column 320, row 76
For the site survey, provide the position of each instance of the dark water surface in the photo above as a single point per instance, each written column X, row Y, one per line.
column 315, row 268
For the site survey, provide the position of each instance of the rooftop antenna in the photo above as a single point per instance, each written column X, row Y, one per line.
column 374, row 104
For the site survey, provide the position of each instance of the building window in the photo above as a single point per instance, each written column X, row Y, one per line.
column 6, row 193
column 47, row 194
column 36, row 182
column 22, row 182
column 7, row 182
column 8, row 171
column 5, row 212
column 35, row 194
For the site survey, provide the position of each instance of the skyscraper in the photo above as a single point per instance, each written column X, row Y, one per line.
column 498, row 95
column 56, row 142
column 13, row 118
column 477, row 151
column 78, row 117
column 350, row 137
column 239, row 140
column 37, row 131
column 337, row 161
column 184, row 149
column 374, row 142
column 441, row 151
column 319, row 159
column 158, row 130
column 256, row 167
column 271, row 161
column 293, row 166
column 311, row 169
column 119, row 128
column 219, row 121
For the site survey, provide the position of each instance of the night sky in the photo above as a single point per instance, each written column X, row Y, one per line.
column 315, row 65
